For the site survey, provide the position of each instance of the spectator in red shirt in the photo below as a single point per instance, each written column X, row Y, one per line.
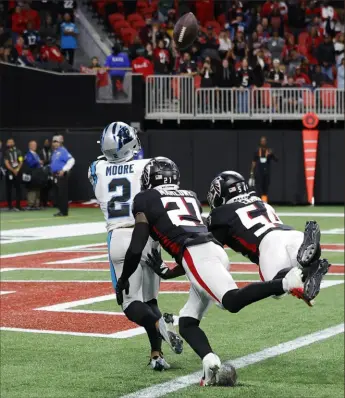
column 267, row 9
column 161, row 58
column 142, row 65
column 300, row 78
column 18, row 20
column 210, row 40
column 31, row 15
column 51, row 53
column 19, row 45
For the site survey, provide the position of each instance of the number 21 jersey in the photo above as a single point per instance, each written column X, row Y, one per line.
column 174, row 219
column 115, row 186
column 242, row 225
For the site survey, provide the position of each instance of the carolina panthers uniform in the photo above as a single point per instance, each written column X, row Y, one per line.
column 115, row 185
column 249, row 226
column 175, row 221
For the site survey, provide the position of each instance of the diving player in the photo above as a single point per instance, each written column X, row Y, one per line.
column 242, row 221
column 116, row 181
column 172, row 217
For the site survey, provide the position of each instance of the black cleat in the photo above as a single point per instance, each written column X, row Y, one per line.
column 314, row 277
column 310, row 248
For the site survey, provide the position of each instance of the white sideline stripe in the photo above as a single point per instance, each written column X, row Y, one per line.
column 118, row 335
column 2, row 292
column 59, row 249
column 159, row 390
column 95, row 281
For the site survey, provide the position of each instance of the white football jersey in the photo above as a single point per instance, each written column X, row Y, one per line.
column 115, row 186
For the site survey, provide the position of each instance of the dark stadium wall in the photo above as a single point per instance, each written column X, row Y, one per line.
column 60, row 100
column 330, row 174
column 201, row 154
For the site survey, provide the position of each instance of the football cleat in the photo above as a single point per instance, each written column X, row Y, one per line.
column 299, row 293
column 211, row 364
column 159, row 364
column 310, row 248
column 168, row 333
column 293, row 280
column 314, row 277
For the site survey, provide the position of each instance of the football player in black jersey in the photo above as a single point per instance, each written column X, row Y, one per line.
column 242, row 221
column 172, row 217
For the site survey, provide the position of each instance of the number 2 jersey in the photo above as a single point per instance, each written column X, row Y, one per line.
column 115, row 186
column 243, row 223
column 174, row 219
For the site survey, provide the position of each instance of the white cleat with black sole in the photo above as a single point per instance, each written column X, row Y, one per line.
column 169, row 334
column 211, row 364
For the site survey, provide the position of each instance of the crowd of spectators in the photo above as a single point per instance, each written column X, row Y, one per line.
column 38, row 34
column 40, row 171
column 297, row 43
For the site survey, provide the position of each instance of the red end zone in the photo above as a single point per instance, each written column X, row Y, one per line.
column 19, row 308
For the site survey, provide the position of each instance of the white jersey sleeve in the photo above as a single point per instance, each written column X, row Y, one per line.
column 115, row 186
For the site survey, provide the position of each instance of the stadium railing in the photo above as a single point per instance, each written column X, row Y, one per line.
column 176, row 98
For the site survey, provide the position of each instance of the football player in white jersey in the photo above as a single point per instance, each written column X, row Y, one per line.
column 116, row 181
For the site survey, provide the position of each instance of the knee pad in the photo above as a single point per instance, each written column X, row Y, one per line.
column 187, row 322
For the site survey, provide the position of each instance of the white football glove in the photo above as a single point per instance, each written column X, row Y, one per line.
column 251, row 182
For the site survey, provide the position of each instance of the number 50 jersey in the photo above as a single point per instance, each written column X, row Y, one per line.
column 174, row 219
column 115, row 186
column 243, row 223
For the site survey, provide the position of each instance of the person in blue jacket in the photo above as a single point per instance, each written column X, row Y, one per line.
column 118, row 59
column 33, row 161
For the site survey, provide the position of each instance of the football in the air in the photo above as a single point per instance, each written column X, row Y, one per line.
column 185, row 31
column 227, row 376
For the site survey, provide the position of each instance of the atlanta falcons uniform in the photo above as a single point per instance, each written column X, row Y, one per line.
column 175, row 221
column 115, row 185
column 249, row 226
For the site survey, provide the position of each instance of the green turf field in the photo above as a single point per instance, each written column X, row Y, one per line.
column 63, row 335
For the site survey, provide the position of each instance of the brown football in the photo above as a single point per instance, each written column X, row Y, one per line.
column 185, row 31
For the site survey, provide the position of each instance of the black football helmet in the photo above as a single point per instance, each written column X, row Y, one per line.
column 226, row 186
column 160, row 171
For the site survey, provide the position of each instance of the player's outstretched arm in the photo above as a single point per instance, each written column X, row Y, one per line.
column 155, row 262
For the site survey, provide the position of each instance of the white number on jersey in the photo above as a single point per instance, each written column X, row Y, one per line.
column 268, row 220
column 68, row 4
column 117, row 206
column 179, row 215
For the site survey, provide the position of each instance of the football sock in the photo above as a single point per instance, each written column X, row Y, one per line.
column 235, row 300
column 189, row 329
column 142, row 315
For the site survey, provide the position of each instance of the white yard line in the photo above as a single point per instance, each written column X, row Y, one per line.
column 59, row 249
column 159, row 390
column 2, row 292
column 300, row 214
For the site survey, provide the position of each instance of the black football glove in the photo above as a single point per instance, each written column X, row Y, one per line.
column 155, row 262
column 120, row 287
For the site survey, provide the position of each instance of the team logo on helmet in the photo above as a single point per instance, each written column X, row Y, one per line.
column 145, row 177
column 123, row 136
column 214, row 192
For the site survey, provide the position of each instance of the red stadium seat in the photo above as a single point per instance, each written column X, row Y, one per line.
column 118, row 25
column 197, row 81
column 308, row 99
column 328, row 97
column 303, row 49
column 134, row 17
column 275, row 22
column 141, row 4
column 221, row 19
column 266, row 97
column 147, row 12
column 303, row 37
column 100, row 7
column 215, row 26
column 128, row 35
column 113, row 18
column 137, row 25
